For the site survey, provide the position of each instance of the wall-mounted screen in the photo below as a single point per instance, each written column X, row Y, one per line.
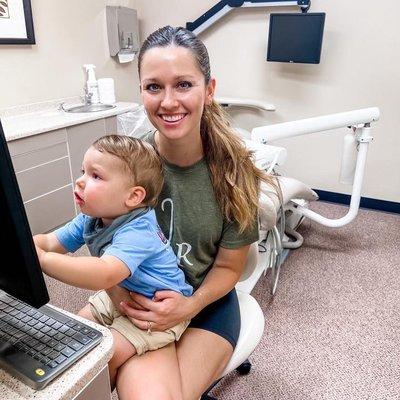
column 295, row 38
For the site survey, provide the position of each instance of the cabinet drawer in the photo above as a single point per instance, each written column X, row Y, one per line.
column 37, row 157
column 43, row 179
column 50, row 211
column 37, row 142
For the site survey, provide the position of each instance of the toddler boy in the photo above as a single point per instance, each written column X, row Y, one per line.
column 121, row 180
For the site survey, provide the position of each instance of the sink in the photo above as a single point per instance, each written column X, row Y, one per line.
column 86, row 108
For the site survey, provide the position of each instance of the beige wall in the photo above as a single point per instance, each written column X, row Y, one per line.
column 360, row 68
column 68, row 34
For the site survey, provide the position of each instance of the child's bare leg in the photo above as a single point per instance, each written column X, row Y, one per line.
column 123, row 351
column 87, row 314
column 123, row 348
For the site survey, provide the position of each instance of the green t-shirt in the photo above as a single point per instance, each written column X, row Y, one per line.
column 189, row 216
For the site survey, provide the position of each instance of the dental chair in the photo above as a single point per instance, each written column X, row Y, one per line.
column 280, row 217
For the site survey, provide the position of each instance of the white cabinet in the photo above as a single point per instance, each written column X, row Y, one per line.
column 41, row 164
column 46, row 166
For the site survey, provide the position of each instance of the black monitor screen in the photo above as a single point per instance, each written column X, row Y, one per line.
column 295, row 38
column 20, row 272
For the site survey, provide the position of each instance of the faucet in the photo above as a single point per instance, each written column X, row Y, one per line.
column 88, row 97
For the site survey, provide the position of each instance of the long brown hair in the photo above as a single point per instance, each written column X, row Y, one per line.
column 235, row 178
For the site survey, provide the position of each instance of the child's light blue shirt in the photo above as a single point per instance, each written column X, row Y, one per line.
column 142, row 247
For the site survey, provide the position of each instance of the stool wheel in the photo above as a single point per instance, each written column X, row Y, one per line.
column 244, row 368
column 207, row 397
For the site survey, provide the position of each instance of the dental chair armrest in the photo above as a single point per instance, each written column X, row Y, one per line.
column 294, row 189
column 270, row 203
column 265, row 156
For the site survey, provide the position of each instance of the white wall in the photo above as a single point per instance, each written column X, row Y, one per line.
column 360, row 67
column 68, row 34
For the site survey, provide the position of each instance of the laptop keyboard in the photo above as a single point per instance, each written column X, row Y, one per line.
column 36, row 345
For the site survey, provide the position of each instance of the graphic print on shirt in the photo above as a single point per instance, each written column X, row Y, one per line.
column 161, row 235
column 183, row 248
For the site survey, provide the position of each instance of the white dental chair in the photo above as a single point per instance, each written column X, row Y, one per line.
column 252, row 325
column 295, row 199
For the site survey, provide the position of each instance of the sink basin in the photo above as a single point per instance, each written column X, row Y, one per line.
column 86, row 108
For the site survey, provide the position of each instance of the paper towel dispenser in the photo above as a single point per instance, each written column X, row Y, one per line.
column 123, row 32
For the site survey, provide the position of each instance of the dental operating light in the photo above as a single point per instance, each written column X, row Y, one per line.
column 222, row 8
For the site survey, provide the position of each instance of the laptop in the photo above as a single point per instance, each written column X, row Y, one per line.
column 37, row 342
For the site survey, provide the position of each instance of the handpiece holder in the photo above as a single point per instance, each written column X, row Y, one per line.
column 360, row 119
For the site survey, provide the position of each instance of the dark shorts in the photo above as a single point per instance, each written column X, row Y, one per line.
column 221, row 317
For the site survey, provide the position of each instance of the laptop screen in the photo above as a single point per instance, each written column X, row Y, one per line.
column 21, row 275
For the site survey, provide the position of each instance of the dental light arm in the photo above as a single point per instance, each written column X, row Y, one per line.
column 359, row 119
column 223, row 7
column 300, row 127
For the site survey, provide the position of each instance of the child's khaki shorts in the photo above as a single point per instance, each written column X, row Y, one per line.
column 106, row 314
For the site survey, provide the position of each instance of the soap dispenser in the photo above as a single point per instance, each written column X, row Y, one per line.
column 91, row 84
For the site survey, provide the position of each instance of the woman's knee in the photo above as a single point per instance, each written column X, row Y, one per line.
column 154, row 375
column 146, row 390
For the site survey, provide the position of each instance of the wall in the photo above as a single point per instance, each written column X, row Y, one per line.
column 359, row 68
column 68, row 34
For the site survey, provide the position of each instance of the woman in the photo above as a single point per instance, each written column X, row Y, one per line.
column 207, row 209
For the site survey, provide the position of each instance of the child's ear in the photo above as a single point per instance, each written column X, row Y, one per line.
column 136, row 195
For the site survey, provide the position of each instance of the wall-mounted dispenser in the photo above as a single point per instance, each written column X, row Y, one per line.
column 123, row 32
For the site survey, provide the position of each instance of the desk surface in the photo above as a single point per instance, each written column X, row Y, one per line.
column 70, row 382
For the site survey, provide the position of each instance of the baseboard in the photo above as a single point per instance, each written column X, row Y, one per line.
column 366, row 202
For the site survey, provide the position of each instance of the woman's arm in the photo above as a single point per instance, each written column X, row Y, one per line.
column 223, row 276
column 168, row 308
column 85, row 272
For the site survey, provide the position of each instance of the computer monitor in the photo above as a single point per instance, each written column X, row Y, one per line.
column 20, row 272
column 295, row 38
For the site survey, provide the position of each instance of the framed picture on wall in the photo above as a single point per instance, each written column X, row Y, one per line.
column 16, row 24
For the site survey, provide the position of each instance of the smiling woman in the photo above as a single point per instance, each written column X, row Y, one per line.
column 207, row 210
column 174, row 93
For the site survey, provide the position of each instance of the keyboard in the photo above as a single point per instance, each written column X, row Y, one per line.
column 36, row 345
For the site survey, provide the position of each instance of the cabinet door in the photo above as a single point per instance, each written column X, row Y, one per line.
column 97, row 389
column 43, row 173
column 51, row 210
column 80, row 137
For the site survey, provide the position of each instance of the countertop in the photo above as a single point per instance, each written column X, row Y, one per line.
column 34, row 119
column 70, row 382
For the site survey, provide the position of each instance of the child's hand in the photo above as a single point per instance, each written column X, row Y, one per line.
column 40, row 253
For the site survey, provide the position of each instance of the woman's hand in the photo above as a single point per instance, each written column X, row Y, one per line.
column 165, row 310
